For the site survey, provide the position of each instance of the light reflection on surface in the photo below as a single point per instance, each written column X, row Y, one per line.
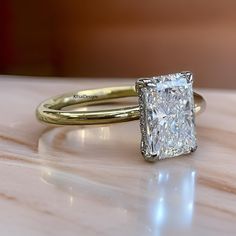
column 174, row 198
column 90, row 164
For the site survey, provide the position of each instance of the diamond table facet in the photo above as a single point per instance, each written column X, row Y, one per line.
column 166, row 116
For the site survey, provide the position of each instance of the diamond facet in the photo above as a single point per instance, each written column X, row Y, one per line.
column 166, row 116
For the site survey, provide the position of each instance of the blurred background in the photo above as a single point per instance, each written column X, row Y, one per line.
column 120, row 38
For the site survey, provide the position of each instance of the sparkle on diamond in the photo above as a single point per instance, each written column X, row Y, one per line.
column 168, row 117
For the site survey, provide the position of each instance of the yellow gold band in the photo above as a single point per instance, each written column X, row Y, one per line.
column 50, row 111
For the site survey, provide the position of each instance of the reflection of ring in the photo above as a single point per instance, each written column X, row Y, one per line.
column 166, row 111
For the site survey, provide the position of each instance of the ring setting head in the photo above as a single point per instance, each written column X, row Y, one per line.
column 167, row 120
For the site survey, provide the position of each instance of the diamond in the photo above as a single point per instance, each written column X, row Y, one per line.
column 167, row 119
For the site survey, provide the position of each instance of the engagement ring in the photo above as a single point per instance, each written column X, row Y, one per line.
column 167, row 108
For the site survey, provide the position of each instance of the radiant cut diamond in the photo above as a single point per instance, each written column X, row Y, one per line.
column 166, row 116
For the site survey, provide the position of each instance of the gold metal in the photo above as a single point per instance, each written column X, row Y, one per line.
column 50, row 111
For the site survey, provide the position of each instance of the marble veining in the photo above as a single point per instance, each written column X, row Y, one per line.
column 90, row 180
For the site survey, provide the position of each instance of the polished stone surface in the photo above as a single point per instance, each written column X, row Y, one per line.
column 92, row 180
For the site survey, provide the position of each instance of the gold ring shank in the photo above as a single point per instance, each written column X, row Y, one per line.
column 50, row 111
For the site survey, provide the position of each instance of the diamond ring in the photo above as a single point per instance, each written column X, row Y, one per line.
column 167, row 108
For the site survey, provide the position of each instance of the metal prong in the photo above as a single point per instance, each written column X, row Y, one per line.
column 189, row 75
column 147, row 156
column 139, row 84
column 194, row 149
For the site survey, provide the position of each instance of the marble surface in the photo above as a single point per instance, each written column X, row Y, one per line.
column 92, row 180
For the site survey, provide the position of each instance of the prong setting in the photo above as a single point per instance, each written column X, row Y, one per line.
column 188, row 75
column 166, row 116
